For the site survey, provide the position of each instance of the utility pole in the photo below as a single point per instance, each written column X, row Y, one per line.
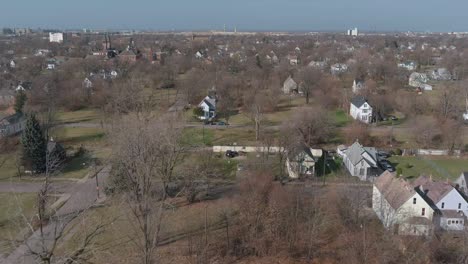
column 97, row 181
column 324, row 164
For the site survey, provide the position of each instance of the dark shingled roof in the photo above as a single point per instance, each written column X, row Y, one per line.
column 358, row 101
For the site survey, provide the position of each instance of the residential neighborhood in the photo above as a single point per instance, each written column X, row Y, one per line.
column 250, row 132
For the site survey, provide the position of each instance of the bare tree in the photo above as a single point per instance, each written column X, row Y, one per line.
column 145, row 154
column 311, row 125
column 310, row 79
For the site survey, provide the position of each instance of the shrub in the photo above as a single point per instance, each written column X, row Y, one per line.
column 398, row 152
column 399, row 171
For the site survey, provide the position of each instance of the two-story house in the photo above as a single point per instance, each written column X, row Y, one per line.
column 302, row 161
column 208, row 106
column 290, row 86
column 361, row 110
column 400, row 207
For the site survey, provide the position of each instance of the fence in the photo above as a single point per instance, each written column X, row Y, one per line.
column 247, row 149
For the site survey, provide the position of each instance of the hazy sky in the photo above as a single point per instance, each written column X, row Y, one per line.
column 281, row 15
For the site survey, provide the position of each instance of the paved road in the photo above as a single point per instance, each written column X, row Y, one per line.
column 33, row 187
column 83, row 195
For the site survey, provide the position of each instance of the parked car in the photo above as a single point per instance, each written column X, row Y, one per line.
column 231, row 153
column 386, row 165
column 221, row 123
column 382, row 154
column 394, row 118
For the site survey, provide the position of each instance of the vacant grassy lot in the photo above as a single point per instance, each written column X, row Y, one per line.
column 14, row 208
column 438, row 167
column 87, row 115
column 225, row 136
column 78, row 135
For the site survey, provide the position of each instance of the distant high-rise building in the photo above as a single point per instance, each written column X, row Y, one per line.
column 56, row 37
column 352, row 32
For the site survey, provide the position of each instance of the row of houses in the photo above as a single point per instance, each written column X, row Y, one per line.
column 421, row 207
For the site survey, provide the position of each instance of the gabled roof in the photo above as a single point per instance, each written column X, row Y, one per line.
column 465, row 176
column 12, row 119
column 210, row 101
column 355, row 153
column 433, row 190
column 396, row 191
column 358, row 101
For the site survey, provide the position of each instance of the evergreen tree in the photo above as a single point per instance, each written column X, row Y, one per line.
column 20, row 100
column 34, row 145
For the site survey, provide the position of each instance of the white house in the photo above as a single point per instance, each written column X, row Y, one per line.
column 361, row 110
column 361, row 161
column 419, row 80
column 318, row 64
column 302, row 161
column 51, row 64
column 399, row 207
column 56, row 37
column 290, row 86
column 451, row 204
column 358, row 85
column 87, row 83
column 441, row 74
column 462, row 182
column 293, row 60
column 338, row 68
column 208, row 105
column 409, row 65
column 12, row 64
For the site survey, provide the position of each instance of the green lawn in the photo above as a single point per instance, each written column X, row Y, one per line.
column 226, row 136
column 341, row 118
column 438, row 167
column 8, row 169
column 87, row 115
column 78, row 135
column 13, row 208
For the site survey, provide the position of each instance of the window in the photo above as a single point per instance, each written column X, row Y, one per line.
column 414, row 200
column 364, row 111
column 423, row 211
column 459, row 205
column 456, row 222
column 449, row 222
column 443, row 204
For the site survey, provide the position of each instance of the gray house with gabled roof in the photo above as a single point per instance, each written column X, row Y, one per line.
column 361, row 161
column 12, row 125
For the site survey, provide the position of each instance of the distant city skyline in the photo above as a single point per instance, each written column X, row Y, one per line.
column 245, row 15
